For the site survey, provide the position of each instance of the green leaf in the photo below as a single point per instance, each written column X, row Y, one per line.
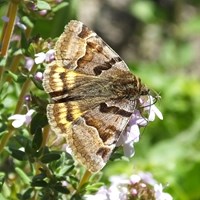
column 17, row 154
column 24, row 42
column 38, row 84
column 27, row 194
column 39, row 184
column 47, row 158
column 94, row 187
column 62, row 189
column 23, row 175
column 16, row 78
column 60, row 6
column 27, row 21
column 3, row 61
column 38, row 122
column 2, row 179
column 37, row 139
column 39, row 177
column 42, row 5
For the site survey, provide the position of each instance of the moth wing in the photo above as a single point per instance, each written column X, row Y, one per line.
column 81, row 49
column 93, row 135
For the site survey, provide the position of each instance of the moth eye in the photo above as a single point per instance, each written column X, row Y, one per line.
column 145, row 91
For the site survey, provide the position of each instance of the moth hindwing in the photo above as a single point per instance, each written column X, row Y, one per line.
column 93, row 94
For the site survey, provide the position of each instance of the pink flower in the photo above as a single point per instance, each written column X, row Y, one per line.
column 20, row 120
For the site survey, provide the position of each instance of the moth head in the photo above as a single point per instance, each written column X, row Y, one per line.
column 144, row 90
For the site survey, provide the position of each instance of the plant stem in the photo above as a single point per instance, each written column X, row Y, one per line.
column 8, row 27
column 84, row 179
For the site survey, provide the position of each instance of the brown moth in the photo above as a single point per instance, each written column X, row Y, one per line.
column 93, row 94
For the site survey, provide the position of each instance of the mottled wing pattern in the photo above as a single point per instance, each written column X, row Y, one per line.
column 82, row 50
column 85, row 108
column 93, row 136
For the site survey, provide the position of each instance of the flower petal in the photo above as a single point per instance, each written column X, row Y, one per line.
column 18, row 123
column 128, row 149
column 157, row 112
column 134, row 134
column 40, row 57
column 16, row 116
column 151, row 115
column 50, row 55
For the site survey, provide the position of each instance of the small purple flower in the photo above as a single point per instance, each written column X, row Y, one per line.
column 19, row 119
column 47, row 57
column 38, row 76
column 43, row 12
column 17, row 22
column 27, row 98
column 29, row 62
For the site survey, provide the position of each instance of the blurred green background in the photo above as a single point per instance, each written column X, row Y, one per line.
column 160, row 42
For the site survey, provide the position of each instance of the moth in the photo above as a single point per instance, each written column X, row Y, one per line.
column 93, row 94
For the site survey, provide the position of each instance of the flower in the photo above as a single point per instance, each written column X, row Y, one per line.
column 152, row 109
column 17, row 22
column 135, row 187
column 29, row 62
column 43, row 12
column 47, row 57
column 19, row 119
column 159, row 194
column 38, row 76
column 132, row 132
column 102, row 194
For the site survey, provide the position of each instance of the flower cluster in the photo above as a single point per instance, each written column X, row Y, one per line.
column 139, row 186
column 132, row 133
column 44, row 57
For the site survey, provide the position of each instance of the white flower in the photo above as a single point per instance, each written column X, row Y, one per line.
column 135, row 178
column 19, row 24
column 132, row 133
column 147, row 178
column 159, row 194
column 29, row 62
column 47, row 57
column 152, row 109
column 102, row 194
column 19, row 119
